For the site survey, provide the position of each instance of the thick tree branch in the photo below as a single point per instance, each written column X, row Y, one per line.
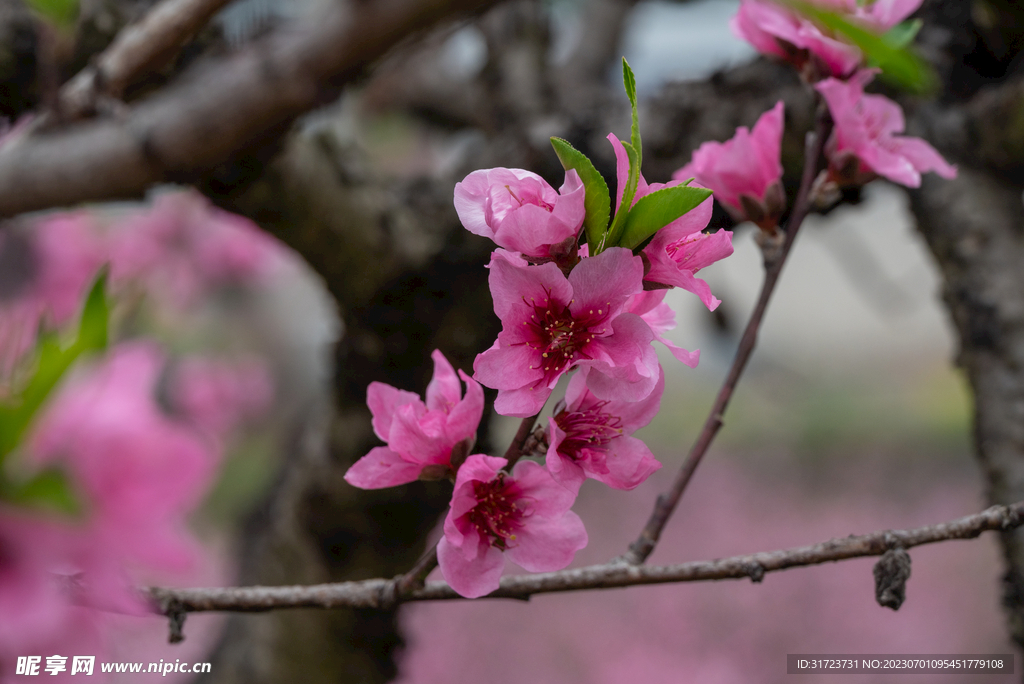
column 640, row 549
column 139, row 49
column 198, row 123
column 380, row 593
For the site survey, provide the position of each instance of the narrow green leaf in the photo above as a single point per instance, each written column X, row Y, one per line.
column 899, row 64
column 629, row 81
column 52, row 362
column 901, row 35
column 658, row 209
column 619, row 222
column 49, row 490
column 61, row 13
column 92, row 330
column 597, row 199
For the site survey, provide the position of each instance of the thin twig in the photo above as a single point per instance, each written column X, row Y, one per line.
column 516, row 449
column 413, row 580
column 640, row 549
column 139, row 49
column 376, row 593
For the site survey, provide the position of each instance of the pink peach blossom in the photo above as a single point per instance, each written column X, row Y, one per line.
column 590, row 437
column 217, row 395
column 139, row 470
column 62, row 255
column 419, row 436
column 680, row 249
column 744, row 172
column 36, row 607
column 775, row 30
column 650, row 306
column 524, row 514
column 553, row 323
column 520, row 211
column 865, row 142
column 182, row 247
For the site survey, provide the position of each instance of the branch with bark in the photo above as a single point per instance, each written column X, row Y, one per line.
column 138, row 49
column 215, row 112
column 383, row 593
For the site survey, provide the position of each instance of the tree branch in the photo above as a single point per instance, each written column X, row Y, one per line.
column 666, row 504
column 140, row 48
column 380, row 593
column 214, row 112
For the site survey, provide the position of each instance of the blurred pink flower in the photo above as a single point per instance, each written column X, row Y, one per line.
column 139, row 472
column 217, row 395
column 744, row 172
column 183, row 246
column 680, row 249
column 553, row 323
column 520, row 211
column 63, row 254
column 419, row 436
column 775, row 30
column 525, row 515
column 37, row 612
column 590, row 437
column 865, row 142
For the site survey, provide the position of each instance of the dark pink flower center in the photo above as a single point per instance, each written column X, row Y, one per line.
column 562, row 338
column 590, row 429
column 497, row 515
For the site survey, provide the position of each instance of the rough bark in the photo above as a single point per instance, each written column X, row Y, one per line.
column 975, row 230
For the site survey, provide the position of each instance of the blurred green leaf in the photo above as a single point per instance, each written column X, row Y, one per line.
column 890, row 52
column 93, row 328
column 903, row 34
column 61, row 13
column 658, row 209
column 49, row 489
column 619, row 222
column 52, row 362
column 597, row 199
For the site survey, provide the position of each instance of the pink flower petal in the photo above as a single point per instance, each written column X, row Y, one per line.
column 549, row 544
column 465, row 417
column 383, row 400
column 444, row 390
column 471, row 578
column 380, row 468
column 629, row 463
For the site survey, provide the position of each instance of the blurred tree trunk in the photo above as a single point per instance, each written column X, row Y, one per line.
column 974, row 227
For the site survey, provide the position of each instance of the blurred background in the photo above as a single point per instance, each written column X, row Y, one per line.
column 851, row 417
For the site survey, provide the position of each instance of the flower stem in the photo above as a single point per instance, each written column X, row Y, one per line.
column 666, row 504
column 516, row 449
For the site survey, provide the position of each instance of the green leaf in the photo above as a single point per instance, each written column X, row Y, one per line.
column 658, row 209
column 597, row 199
column 61, row 13
column 49, row 489
column 901, row 35
column 52, row 363
column 629, row 81
column 92, row 330
column 900, row 66
column 619, row 222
